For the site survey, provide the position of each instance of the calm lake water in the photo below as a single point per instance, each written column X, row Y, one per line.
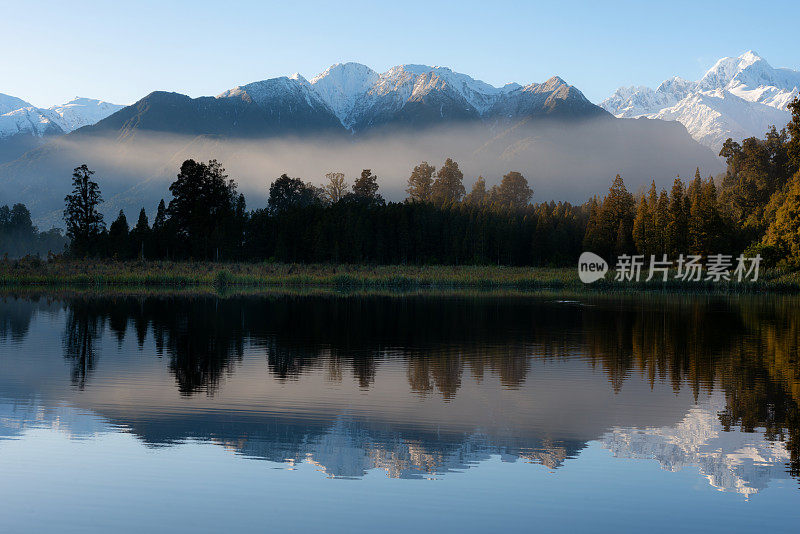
column 399, row 413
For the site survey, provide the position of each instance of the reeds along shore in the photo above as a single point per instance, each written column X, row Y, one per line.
column 64, row 273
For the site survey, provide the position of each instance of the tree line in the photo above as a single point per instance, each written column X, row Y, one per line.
column 754, row 207
column 18, row 235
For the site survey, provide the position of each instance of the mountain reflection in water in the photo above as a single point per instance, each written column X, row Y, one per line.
column 418, row 385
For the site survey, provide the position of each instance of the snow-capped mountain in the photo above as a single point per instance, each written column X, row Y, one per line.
column 341, row 85
column 26, row 119
column 24, row 127
column 10, row 103
column 80, row 112
column 360, row 98
column 714, row 116
column 30, row 122
column 536, row 129
column 738, row 97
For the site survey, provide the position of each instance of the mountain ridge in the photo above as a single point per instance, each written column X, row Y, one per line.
column 737, row 97
column 353, row 116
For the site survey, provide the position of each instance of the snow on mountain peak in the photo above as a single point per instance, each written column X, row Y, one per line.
column 350, row 89
column 30, row 120
column 757, row 95
column 750, row 57
column 10, row 103
column 80, row 112
column 728, row 69
column 342, row 84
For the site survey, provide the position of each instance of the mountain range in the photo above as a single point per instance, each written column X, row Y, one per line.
column 738, row 97
column 346, row 118
column 23, row 126
column 349, row 99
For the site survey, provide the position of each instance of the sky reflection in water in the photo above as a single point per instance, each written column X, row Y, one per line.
column 464, row 413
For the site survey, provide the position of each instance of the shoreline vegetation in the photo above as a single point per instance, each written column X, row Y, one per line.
column 116, row 275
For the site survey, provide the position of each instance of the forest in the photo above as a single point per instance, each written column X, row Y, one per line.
column 753, row 208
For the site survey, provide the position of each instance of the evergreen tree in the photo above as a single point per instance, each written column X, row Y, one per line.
column 448, row 187
column 420, row 183
column 715, row 228
column 202, row 209
column 160, row 232
column 141, row 236
column 514, row 192
column 662, row 220
column 697, row 225
column 365, row 188
column 287, row 193
column 478, row 195
column 653, row 232
column 84, row 221
column 18, row 235
column 641, row 227
column 142, row 225
column 678, row 222
column 593, row 239
column 161, row 216
column 784, row 232
column 118, row 236
column 793, row 146
column 615, row 228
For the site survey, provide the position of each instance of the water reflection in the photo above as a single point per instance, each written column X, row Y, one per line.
column 420, row 385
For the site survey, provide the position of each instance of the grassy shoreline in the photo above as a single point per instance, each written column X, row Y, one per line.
column 61, row 273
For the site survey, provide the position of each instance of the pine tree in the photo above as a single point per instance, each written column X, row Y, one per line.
column 141, row 235
column 678, row 223
column 641, row 226
column 653, row 233
column 477, row 196
column 662, row 221
column 697, row 225
column 617, row 219
column 420, row 183
column 161, row 216
column 118, row 236
column 592, row 240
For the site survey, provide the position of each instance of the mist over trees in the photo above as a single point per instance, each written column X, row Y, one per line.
column 753, row 208
column 19, row 237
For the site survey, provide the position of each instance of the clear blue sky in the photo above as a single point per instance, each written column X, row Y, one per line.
column 120, row 51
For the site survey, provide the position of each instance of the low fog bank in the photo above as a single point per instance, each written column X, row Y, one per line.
column 562, row 161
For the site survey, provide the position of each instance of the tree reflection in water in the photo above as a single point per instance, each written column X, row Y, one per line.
column 746, row 347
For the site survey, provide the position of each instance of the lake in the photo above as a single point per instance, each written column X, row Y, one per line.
column 399, row 412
